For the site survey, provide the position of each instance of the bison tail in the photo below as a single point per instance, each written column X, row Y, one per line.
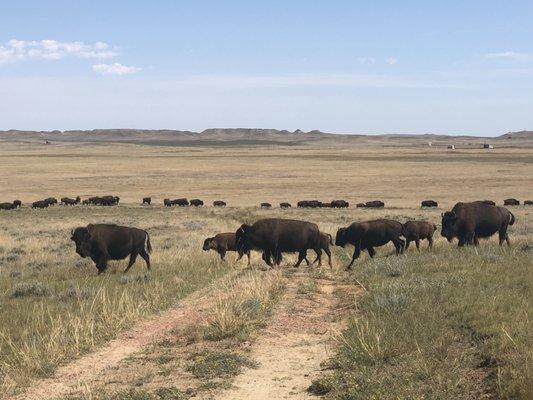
column 512, row 220
column 148, row 244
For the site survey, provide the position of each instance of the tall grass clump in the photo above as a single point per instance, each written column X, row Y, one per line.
column 453, row 323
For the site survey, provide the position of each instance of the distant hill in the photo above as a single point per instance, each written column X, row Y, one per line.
column 518, row 135
column 246, row 137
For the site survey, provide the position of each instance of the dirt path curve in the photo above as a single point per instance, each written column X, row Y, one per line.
column 292, row 347
column 82, row 370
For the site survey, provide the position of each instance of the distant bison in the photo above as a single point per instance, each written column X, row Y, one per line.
column 102, row 201
column 285, row 205
column 177, row 202
column 429, row 203
column 326, row 205
column 40, row 204
column 418, row 230
column 340, row 204
column 302, row 204
column 314, row 204
column 222, row 243
column 219, row 203
column 370, row 234
column 528, row 203
column 470, row 221
column 196, row 203
column 360, row 205
column 67, row 201
column 51, row 201
column 511, row 202
column 275, row 236
column 489, row 202
column 147, row 200
column 104, row 242
column 10, row 206
column 374, row 204
column 266, row 205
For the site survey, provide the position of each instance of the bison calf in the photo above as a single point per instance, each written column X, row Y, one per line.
column 511, row 202
column 219, row 203
column 196, row 203
column 418, row 230
column 147, row 200
column 104, row 242
column 285, row 205
column 429, row 203
column 266, row 205
column 222, row 243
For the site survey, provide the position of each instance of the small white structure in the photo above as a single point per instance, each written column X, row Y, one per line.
column 487, row 146
column 451, row 147
column 430, row 144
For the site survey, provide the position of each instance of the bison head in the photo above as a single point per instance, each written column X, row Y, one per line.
column 208, row 244
column 242, row 238
column 341, row 237
column 82, row 238
column 449, row 229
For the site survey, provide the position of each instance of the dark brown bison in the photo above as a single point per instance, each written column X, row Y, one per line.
column 274, row 236
column 374, row 204
column 17, row 203
column 147, row 200
column 325, row 241
column 339, row 204
column 109, row 200
column 489, row 202
column 167, row 202
column 326, row 205
column 429, row 203
column 219, row 203
column 528, row 203
column 471, row 221
column 370, row 234
column 285, row 205
column 8, row 206
column 176, row 202
column 104, row 242
column 314, row 204
column 222, row 243
column 196, row 203
column 67, row 201
column 266, row 205
column 51, row 201
column 511, row 202
column 302, row 204
column 40, row 204
column 417, row 231
column 360, row 205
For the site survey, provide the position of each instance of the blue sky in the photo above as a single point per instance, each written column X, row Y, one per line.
column 455, row 67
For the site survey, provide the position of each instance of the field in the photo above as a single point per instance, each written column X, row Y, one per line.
column 448, row 323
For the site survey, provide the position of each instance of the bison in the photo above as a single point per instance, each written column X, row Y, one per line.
column 147, row 200
column 40, row 204
column 266, row 205
column 374, row 204
column 67, row 201
column 302, row 204
column 285, row 205
column 7, row 206
column 418, row 230
column 326, row 205
column 528, row 203
column 360, row 205
column 511, row 202
column 489, row 202
column 196, row 203
column 429, row 204
column 222, row 243
column 51, row 201
column 219, row 203
column 177, row 202
column 369, row 234
column 274, row 236
column 17, row 203
column 325, row 241
column 470, row 221
column 339, row 204
column 104, row 242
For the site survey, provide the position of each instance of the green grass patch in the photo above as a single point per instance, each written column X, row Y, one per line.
column 218, row 364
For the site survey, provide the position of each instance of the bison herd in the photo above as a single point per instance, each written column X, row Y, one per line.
column 273, row 237
column 183, row 202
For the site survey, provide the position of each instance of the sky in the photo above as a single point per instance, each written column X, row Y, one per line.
column 362, row 67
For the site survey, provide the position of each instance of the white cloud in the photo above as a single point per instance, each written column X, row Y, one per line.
column 508, row 55
column 23, row 50
column 115, row 69
column 392, row 60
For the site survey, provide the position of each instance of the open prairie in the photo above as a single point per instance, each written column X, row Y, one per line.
column 441, row 324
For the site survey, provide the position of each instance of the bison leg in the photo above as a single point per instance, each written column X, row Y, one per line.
column 430, row 240
column 222, row 253
column 319, row 256
column 355, row 256
column 248, row 255
column 417, row 242
column 266, row 256
column 301, row 255
column 146, row 257
column 407, row 243
column 371, row 251
column 328, row 253
column 398, row 244
column 101, row 265
column 503, row 236
column 133, row 257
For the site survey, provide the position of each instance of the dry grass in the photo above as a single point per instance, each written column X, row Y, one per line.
column 54, row 307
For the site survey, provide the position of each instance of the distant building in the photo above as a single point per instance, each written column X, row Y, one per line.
column 487, row 146
column 430, row 144
column 451, row 147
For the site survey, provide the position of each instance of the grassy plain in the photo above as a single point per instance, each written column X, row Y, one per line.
column 427, row 320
